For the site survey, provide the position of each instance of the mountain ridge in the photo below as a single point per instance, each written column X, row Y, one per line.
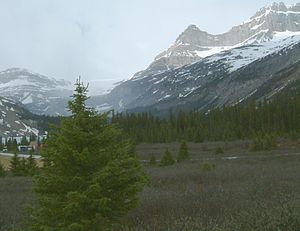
column 271, row 31
column 40, row 94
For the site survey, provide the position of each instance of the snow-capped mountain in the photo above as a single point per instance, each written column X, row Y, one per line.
column 11, row 121
column 204, row 70
column 40, row 94
column 194, row 44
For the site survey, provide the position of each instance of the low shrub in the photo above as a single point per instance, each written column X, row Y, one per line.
column 207, row 166
column 263, row 143
column 152, row 160
column 219, row 151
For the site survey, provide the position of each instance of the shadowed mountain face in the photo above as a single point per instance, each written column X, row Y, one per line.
column 202, row 71
column 11, row 121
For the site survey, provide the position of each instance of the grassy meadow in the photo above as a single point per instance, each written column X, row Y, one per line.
column 236, row 190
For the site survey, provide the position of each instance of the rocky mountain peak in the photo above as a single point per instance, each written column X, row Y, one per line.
column 40, row 94
column 189, row 35
column 279, row 6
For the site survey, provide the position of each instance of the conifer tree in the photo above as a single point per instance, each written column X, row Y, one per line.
column 2, row 170
column 183, row 153
column 90, row 178
column 23, row 170
column 15, row 165
column 1, row 144
column 31, row 166
column 12, row 145
column 24, row 141
column 152, row 160
column 167, row 159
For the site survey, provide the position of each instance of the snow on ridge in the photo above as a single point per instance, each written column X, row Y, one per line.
column 29, row 129
column 242, row 55
column 265, row 11
column 26, row 74
column 212, row 50
column 257, row 26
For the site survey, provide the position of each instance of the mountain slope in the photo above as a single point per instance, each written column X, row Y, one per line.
column 271, row 37
column 40, row 94
column 260, row 79
column 11, row 121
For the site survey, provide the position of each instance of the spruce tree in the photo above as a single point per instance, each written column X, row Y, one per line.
column 2, row 170
column 183, row 153
column 23, row 170
column 15, row 165
column 167, row 159
column 31, row 166
column 90, row 179
column 1, row 145
column 24, row 141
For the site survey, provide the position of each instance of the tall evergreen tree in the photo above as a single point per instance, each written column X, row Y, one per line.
column 23, row 170
column 31, row 166
column 167, row 159
column 90, row 179
column 2, row 170
column 152, row 160
column 15, row 165
column 183, row 153
column 24, row 141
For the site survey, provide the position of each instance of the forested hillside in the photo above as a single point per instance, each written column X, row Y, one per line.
column 279, row 117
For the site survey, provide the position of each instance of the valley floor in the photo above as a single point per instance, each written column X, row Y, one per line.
column 255, row 191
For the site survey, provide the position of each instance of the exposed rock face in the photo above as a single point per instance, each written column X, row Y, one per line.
column 271, row 32
column 194, row 44
column 276, row 17
column 40, row 94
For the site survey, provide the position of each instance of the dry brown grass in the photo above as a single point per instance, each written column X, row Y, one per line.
column 258, row 192
column 5, row 161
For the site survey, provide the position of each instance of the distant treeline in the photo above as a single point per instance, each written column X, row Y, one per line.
column 279, row 117
column 41, row 122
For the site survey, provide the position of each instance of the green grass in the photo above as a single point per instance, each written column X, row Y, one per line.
column 258, row 192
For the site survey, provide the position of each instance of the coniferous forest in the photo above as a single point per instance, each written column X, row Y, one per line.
column 277, row 117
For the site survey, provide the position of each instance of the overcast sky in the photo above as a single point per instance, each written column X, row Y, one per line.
column 105, row 41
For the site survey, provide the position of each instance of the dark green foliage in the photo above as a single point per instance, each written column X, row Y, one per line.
column 43, row 122
column 90, row 177
column 294, row 135
column 263, row 142
column 152, row 160
column 23, row 171
column 31, row 166
column 32, row 137
column 2, row 170
column 219, row 150
column 167, row 159
column 24, row 141
column 241, row 121
column 15, row 165
column 183, row 153
column 23, row 167
column 12, row 145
